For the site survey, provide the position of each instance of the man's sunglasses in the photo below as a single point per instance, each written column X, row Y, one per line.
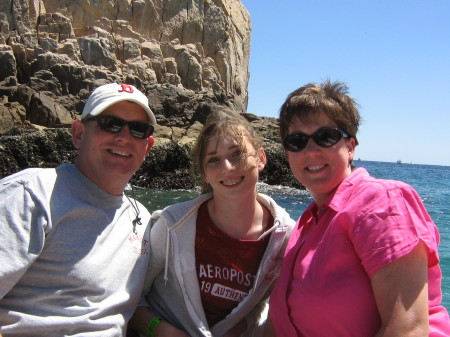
column 113, row 124
column 324, row 137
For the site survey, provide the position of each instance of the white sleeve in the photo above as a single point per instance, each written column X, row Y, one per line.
column 23, row 220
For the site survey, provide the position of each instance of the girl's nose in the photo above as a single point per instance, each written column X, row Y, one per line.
column 231, row 163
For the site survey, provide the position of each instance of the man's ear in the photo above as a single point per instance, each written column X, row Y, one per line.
column 151, row 141
column 77, row 133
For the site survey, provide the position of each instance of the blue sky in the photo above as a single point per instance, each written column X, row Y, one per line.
column 394, row 55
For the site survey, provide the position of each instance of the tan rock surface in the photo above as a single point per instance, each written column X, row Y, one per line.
column 66, row 48
column 189, row 57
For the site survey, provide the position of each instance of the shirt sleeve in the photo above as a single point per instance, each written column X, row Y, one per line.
column 390, row 225
column 22, row 228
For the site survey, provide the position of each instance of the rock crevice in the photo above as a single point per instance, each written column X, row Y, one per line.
column 189, row 57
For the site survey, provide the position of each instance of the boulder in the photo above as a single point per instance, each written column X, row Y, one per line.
column 190, row 57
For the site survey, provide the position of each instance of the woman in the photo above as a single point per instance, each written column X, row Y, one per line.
column 363, row 258
column 215, row 258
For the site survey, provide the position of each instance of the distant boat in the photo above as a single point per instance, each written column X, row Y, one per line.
column 399, row 161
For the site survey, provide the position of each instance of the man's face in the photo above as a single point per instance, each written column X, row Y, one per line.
column 110, row 159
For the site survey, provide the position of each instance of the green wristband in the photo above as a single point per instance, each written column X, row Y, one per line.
column 152, row 326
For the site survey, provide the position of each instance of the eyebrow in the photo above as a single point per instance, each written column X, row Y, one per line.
column 232, row 147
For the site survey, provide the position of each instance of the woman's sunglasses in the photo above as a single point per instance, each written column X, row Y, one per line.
column 324, row 137
column 113, row 124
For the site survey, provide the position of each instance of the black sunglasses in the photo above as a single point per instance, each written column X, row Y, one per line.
column 113, row 124
column 324, row 137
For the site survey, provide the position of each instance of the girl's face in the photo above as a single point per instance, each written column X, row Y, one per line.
column 320, row 169
column 231, row 169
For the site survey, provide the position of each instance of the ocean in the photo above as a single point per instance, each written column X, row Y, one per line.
column 430, row 181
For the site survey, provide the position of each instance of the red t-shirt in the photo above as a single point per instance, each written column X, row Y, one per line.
column 226, row 267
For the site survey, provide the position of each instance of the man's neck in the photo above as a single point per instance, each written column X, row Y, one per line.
column 111, row 185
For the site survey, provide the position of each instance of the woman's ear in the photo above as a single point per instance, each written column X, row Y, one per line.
column 351, row 145
column 262, row 159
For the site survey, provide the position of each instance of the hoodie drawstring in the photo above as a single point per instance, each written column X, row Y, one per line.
column 166, row 267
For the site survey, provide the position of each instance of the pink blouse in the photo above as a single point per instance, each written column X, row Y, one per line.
column 324, row 288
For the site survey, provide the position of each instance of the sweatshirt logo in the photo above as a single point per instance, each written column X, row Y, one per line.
column 225, row 273
column 211, row 279
column 139, row 244
column 227, row 293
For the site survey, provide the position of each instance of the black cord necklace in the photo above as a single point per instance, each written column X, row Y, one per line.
column 137, row 220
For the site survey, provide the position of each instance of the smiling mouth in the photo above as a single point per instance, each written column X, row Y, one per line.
column 232, row 182
column 119, row 153
column 315, row 168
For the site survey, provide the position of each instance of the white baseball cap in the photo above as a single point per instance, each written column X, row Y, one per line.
column 108, row 94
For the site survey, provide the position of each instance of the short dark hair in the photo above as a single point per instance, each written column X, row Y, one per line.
column 331, row 98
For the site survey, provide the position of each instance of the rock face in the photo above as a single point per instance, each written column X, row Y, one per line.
column 189, row 56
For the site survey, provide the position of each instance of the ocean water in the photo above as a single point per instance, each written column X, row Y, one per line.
column 430, row 181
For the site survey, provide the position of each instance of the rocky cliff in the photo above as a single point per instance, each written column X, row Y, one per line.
column 189, row 56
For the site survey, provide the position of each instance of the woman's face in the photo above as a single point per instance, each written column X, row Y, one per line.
column 230, row 171
column 320, row 169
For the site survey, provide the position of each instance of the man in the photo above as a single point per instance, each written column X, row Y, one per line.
column 74, row 248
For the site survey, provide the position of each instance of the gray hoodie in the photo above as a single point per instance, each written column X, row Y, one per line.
column 172, row 289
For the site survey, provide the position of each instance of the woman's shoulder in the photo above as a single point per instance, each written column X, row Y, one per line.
column 361, row 182
column 361, row 193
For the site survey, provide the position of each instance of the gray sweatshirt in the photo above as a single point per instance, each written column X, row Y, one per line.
column 71, row 261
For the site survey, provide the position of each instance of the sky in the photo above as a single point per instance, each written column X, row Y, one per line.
column 394, row 55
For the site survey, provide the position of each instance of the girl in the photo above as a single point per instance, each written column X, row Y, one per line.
column 215, row 258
